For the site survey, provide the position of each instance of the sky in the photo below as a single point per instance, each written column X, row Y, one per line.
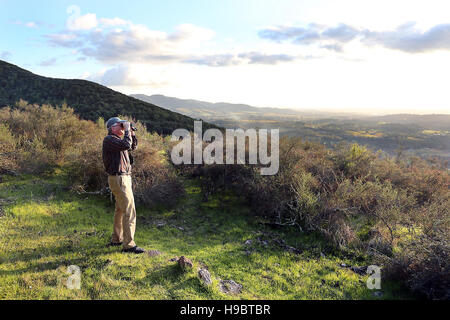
column 375, row 57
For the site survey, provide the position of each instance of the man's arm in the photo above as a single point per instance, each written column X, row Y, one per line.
column 116, row 144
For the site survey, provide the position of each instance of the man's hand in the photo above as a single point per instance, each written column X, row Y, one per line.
column 126, row 126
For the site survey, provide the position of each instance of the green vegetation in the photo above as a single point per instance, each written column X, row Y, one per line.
column 328, row 207
column 417, row 138
column 88, row 99
column 44, row 229
column 395, row 211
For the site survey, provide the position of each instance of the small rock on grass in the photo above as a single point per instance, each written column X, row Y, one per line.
column 205, row 276
column 230, row 287
column 184, row 263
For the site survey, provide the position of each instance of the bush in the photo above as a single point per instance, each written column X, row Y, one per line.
column 42, row 134
column 394, row 210
column 154, row 179
column 8, row 160
column 36, row 138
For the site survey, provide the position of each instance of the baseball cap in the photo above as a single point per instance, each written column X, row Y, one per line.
column 113, row 121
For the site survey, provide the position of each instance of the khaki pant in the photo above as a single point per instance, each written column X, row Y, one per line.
column 125, row 212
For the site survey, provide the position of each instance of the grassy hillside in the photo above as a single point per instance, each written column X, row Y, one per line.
column 331, row 210
column 44, row 229
column 90, row 100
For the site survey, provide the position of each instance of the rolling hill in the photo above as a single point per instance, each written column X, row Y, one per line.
column 211, row 112
column 90, row 100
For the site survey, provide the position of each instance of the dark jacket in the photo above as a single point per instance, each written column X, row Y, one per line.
column 115, row 153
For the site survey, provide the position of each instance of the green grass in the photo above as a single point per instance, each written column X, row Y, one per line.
column 44, row 228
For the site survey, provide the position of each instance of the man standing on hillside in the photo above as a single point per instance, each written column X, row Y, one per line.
column 118, row 166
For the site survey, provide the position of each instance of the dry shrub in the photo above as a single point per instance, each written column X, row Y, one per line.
column 84, row 160
column 395, row 210
column 42, row 134
column 154, row 179
column 8, row 159
column 35, row 138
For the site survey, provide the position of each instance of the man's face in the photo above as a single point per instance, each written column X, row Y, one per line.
column 117, row 129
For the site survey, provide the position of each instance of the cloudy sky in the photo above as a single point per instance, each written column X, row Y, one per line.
column 349, row 55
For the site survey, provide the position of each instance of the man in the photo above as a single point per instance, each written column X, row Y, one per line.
column 118, row 166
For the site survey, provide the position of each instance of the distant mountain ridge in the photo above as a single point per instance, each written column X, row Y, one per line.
column 176, row 103
column 222, row 110
column 216, row 112
column 88, row 99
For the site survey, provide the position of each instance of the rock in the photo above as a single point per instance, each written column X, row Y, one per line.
column 184, row 263
column 248, row 242
column 322, row 255
column 343, row 265
column 359, row 270
column 230, row 287
column 153, row 253
column 205, row 276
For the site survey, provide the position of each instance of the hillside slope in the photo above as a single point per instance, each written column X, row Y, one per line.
column 90, row 100
column 221, row 235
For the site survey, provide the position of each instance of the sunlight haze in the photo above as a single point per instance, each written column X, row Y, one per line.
column 375, row 57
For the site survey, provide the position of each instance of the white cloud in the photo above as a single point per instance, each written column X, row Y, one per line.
column 191, row 33
column 272, row 73
column 76, row 21
column 31, row 24
column 113, row 22
column 406, row 37
column 129, row 75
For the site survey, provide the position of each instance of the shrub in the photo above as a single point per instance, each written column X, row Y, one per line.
column 8, row 160
column 36, row 138
column 394, row 210
column 43, row 134
column 154, row 179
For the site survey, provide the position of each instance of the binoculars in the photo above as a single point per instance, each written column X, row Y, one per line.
column 131, row 126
